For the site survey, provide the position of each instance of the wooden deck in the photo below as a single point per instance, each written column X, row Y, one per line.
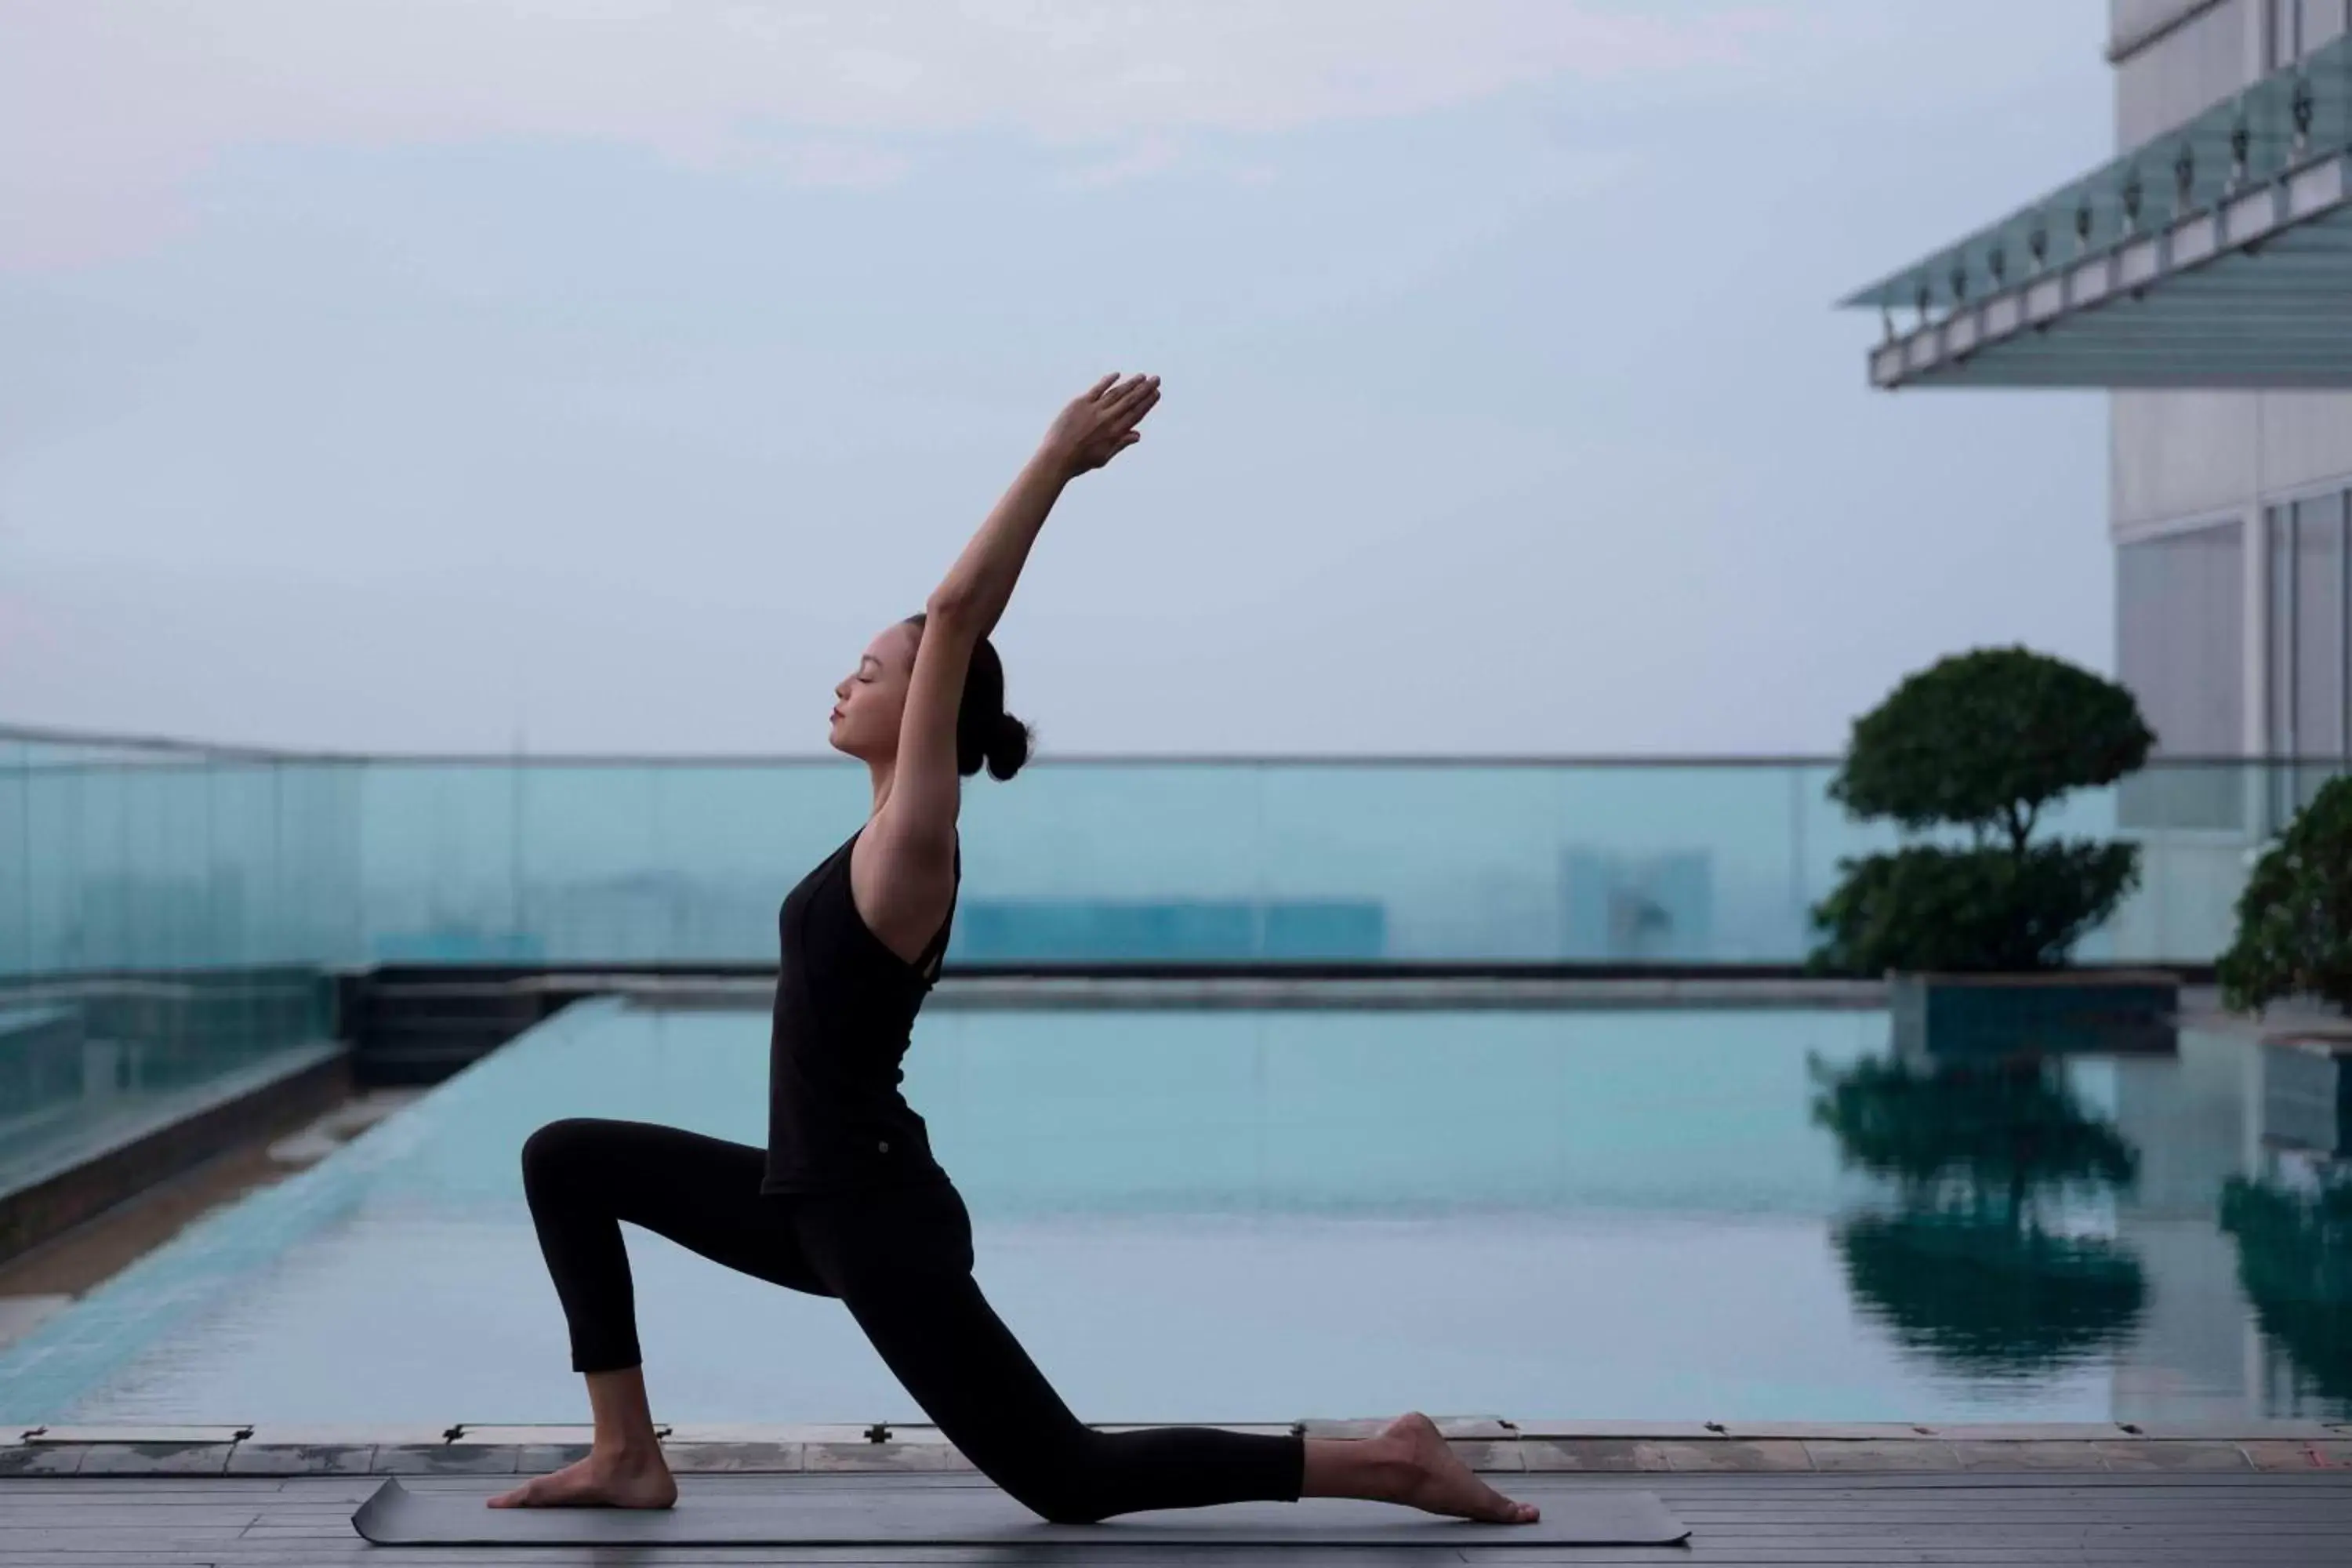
column 1997, row 1520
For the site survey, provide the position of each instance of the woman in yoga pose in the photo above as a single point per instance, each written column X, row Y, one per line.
column 845, row 1200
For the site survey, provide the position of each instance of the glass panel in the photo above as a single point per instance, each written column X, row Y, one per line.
column 2319, row 628
column 2160, row 90
column 2282, row 33
column 2278, row 660
column 144, row 944
column 440, row 849
column 16, row 859
column 2279, row 682
column 127, row 862
column 2179, row 623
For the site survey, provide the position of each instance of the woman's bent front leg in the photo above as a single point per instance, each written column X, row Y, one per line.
column 583, row 1178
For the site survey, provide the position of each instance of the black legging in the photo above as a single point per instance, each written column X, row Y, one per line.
column 901, row 1261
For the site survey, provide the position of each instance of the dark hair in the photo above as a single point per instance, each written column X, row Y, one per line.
column 985, row 733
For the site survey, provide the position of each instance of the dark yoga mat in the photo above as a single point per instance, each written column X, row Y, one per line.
column 792, row 1514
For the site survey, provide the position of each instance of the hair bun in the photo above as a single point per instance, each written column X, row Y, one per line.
column 1008, row 746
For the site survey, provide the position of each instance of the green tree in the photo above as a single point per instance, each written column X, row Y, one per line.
column 2294, row 919
column 1984, row 741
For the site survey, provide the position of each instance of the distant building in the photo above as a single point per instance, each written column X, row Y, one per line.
column 2200, row 278
column 1643, row 909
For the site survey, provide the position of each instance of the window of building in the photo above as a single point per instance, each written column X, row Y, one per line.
column 2278, row 672
column 2183, row 72
column 2180, row 631
column 2282, row 33
column 2309, row 665
column 2293, row 28
column 2319, row 627
column 2180, row 619
column 2308, row 661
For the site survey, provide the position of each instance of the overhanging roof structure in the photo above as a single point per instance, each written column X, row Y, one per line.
column 2217, row 255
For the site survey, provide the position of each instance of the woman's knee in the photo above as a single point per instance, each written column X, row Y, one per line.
column 560, row 1150
column 1062, row 1483
column 1061, row 1500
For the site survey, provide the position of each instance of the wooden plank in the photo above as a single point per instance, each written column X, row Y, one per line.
column 1696, row 1487
column 1946, row 1503
column 2050, row 1519
column 570, row 1557
column 32, row 1489
column 2119, row 1490
column 1953, row 1556
column 2183, row 1525
column 1960, row 1505
column 14, row 1507
column 171, row 1537
column 227, row 1515
column 426, row 1557
column 1787, row 1521
column 317, row 1555
column 1991, row 1531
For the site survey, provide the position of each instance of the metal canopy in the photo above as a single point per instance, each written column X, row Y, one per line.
column 2218, row 255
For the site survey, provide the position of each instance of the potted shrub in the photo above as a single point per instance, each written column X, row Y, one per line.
column 1976, row 935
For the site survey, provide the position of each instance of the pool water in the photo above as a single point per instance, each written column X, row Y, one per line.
column 1255, row 1216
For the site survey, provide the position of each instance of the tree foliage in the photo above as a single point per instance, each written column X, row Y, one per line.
column 1932, row 910
column 2294, row 919
column 1987, row 741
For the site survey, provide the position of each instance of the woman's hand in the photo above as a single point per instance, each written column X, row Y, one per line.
column 1101, row 423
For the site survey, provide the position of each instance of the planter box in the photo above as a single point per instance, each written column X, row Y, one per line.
column 1942, row 1018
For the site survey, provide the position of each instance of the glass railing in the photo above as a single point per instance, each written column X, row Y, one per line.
column 167, row 918
column 121, row 858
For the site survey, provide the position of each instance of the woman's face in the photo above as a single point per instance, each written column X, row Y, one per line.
column 871, row 701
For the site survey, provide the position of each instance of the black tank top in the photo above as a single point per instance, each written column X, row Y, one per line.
column 845, row 1008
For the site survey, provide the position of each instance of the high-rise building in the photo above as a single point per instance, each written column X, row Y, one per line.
column 2204, row 277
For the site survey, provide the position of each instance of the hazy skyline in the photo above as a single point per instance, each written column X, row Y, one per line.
column 426, row 375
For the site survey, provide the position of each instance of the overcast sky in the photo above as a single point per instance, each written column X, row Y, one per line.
column 433, row 373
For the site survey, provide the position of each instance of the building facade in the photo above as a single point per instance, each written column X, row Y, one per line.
column 2229, row 509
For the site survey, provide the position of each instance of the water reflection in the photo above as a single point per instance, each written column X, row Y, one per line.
column 1987, row 1260
column 1716, row 1197
column 2294, row 1264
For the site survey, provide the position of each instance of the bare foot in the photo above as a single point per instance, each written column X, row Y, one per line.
column 636, row 1479
column 1439, row 1482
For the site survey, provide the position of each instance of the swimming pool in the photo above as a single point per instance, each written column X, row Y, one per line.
column 1254, row 1216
